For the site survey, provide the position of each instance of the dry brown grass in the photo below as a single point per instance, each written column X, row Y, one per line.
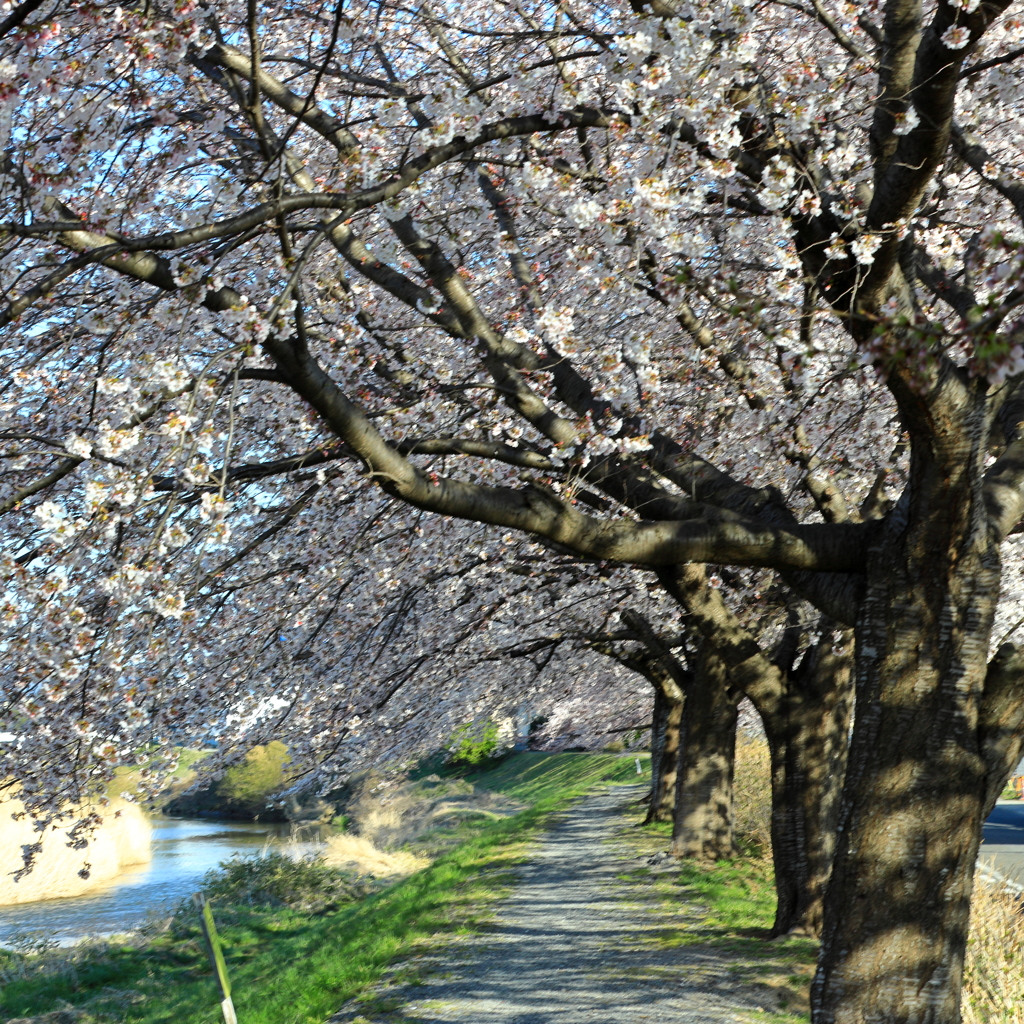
column 752, row 793
column 358, row 854
column 390, row 817
column 122, row 840
column 993, row 979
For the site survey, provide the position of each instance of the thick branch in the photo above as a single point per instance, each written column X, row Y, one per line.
column 901, row 36
column 498, row 352
column 675, row 678
column 750, row 669
column 905, row 164
column 63, row 468
column 984, row 65
column 1004, row 489
column 277, row 92
column 938, row 282
column 1001, row 717
column 977, row 158
column 828, row 499
column 18, row 15
column 828, row 548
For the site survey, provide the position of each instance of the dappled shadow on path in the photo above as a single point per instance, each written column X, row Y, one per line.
column 566, row 949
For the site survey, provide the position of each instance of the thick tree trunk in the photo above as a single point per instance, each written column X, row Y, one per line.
column 703, row 820
column 898, row 902
column 809, row 740
column 668, row 714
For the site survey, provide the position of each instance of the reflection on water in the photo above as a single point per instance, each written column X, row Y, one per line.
column 184, row 849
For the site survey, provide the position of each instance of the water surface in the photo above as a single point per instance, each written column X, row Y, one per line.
column 184, row 849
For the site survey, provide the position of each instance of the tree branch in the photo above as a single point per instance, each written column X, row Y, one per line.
column 259, row 470
column 923, row 70
column 18, row 15
column 1001, row 718
column 750, row 669
column 994, row 62
column 521, row 457
column 977, row 158
column 939, row 284
column 678, row 678
column 305, row 110
column 1004, row 489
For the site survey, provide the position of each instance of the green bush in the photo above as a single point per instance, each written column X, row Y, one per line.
column 260, row 775
column 473, row 744
column 274, row 880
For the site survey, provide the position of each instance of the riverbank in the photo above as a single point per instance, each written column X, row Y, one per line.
column 183, row 851
column 286, row 964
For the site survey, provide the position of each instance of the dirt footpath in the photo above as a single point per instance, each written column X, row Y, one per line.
column 569, row 946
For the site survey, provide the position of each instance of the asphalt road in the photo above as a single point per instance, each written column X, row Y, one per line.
column 1002, row 844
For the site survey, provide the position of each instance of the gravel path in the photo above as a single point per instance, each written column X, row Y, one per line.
column 565, row 948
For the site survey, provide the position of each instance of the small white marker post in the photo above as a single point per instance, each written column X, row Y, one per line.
column 639, row 770
column 216, row 955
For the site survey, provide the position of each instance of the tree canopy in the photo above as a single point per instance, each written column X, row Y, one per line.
column 653, row 284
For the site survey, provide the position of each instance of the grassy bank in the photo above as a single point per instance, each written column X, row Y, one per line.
column 291, row 968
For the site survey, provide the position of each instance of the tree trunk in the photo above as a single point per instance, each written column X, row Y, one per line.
column 703, row 820
column 806, row 715
column 663, row 807
column 809, row 740
column 658, row 716
column 898, row 902
column 668, row 715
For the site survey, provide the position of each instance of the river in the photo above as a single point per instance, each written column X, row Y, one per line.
column 184, row 849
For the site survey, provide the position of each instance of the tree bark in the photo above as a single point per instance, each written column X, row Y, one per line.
column 668, row 715
column 918, row 780
column 703, row 821
column 658, row 715
column 809, row 739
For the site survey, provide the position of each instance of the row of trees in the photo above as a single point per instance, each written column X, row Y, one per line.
column 657, row 285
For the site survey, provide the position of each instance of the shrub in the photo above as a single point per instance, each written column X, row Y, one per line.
column 274, row 880
column 1014, row 788
column 473, row 744
column 260, row 775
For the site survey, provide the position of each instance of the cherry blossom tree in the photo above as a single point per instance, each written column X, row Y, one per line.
column 795, row 670
column 658, row 284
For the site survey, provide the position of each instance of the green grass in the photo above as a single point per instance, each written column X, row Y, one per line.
column 290, row 968
column 729, row 908
column 739, row 894
column 536, row 778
